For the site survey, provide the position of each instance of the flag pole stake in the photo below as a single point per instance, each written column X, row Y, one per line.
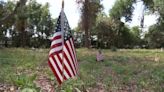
column 62, row 27
column 63, row 4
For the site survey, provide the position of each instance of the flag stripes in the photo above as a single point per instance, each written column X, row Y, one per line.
column 74, row 53
column 62, row 57
column 71, row 56
column 70, row 66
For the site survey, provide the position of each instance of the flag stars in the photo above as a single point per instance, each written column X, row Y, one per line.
column 56, row 51
column 67, row 29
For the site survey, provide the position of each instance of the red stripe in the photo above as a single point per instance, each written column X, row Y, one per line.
column 75, row 55
column 57, row 37
column 72, row 40
column 69, row 63
column 61, row 64
column 55, row 53
column 73, row 50
column 71, row 47
column 52, row 68
column 68, row 49
column 69, row 74
column 56, row 45
column 61, row 72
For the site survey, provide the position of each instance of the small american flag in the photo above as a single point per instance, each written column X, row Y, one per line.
column 62, row 56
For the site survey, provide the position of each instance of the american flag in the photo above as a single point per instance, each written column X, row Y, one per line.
column 62, row 56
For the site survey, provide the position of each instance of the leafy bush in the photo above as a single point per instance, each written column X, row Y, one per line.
column 113, row 48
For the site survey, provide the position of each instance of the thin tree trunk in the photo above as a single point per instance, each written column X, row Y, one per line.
column 86, row 23
column 23, row 34
column 87, row 38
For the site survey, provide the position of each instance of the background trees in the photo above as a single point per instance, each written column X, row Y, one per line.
column 89, row 10
column 155, row 37
column 29, row 24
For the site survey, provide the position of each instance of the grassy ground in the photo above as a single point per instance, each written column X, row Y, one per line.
column 122, row 71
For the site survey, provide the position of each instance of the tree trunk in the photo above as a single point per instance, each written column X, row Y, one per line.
column 86, row 23
column 87, row 38
column 23, row 34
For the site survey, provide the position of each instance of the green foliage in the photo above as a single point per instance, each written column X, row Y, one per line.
column 89, row 11
column 23, row 80
column 32, row 23
column 136, row 35
column 115, row 33
column 104, row 32
column 156, row 31
column 114, row 49
column 155, row 37
column 28, row 90
column 125, row 8
column 122, row 8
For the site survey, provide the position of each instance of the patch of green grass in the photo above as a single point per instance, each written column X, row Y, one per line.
column 23, row 80
column 121, row 69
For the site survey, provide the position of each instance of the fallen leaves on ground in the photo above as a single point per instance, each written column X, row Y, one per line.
column 44, row 83
column 8, row 88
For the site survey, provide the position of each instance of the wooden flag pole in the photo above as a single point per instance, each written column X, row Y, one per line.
column 62, row 4
column 62, row 28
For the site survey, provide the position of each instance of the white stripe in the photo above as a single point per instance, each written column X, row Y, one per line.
column 58, row 62
column 68, row 67
column 73, row 48
column 55, row 49
column 56, row 41
column 70, row 59
column 74, row 66
column 57, row 34
column 66, row 74
column 55, row 67
column 61, row 56
column 61, row 67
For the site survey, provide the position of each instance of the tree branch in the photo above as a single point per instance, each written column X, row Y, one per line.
column 19, row 4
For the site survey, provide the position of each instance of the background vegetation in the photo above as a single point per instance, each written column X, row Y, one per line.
column 31, row 25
